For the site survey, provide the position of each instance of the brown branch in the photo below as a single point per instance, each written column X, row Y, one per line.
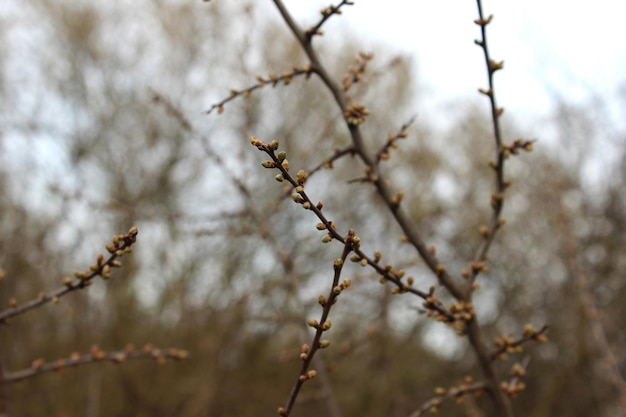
column 497, row 198
column 272, row 79
column 383, row 152
column 120, row 245
column 261, row 219
column 279, row 161
column 374, row 173
column 454, row 393
column 4, row 400
column 326, row 14
column 354, row 115
column 328, row 162
column 506, row 344
column 308, row 352
column 39, row 366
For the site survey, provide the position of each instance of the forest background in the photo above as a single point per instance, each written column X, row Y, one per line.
column 104, row 127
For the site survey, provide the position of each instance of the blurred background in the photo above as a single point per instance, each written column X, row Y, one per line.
column 103, row 127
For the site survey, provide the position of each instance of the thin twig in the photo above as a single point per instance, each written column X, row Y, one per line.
column 455, row 393
column 308, row 352
column 39, row 366
column 121, row 244
column 326, row 14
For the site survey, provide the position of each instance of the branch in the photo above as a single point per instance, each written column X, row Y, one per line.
column 39, row 366
column 308, row 352
column 326, row 14
column 507, row 345
column 120, row 245
column 383, row 152
column 279, row 161
column 353, row 115
column 455, row 393
column 285, row 78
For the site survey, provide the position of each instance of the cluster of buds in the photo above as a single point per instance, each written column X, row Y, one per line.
column 118, row 247
column 355, row 114
column 515, row 147
column 512, row 389
column 456, row 316
column 462, row 311
column 355, row 72
column 331, row 10
column 432, row 304
column 506, row 344
column 456, row 393
column 537, row 335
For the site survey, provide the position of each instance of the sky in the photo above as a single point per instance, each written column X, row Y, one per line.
column 568, row 48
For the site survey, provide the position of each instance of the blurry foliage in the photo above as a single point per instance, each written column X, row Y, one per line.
column 228, row 269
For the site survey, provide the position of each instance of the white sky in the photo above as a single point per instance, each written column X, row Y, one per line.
column 568, row 47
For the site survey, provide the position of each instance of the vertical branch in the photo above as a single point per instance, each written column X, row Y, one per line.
column 4, row 401
column 308, row 352
column 497, row 198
